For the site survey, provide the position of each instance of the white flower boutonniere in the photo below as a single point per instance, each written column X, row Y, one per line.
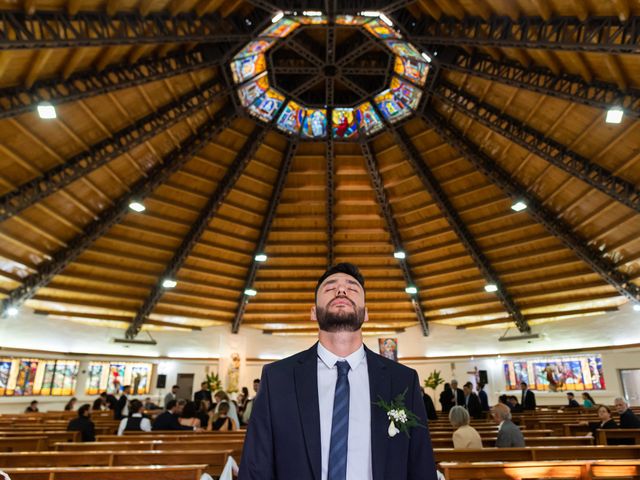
column 401, row 419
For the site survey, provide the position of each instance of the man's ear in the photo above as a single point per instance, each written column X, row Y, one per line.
column 366, row 314
column 314, row 318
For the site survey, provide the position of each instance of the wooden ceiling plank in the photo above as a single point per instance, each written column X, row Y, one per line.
column 544, row 8
column 41, row 59
column 613, row 65
column 623, row 8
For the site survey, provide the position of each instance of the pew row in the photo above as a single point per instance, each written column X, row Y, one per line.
column 149, row 472
column 612, row 435
column 235, row 446
column 21, row 444
column 593, row 452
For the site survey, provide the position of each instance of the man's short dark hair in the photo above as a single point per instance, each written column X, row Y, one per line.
column 176, row 386
column 257, row 380
column 84, row 409
column 135, row 406
column 204, row 383
column 171, row 404
column 33, row 402
column 523, row 383
column 126, row 387
column 347, row 268
column 570, row 394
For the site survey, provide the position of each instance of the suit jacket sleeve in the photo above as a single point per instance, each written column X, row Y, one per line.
column 421, row 462
column 502, row 440
column 258, row 451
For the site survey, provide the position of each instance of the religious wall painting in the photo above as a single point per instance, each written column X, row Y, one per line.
column 291, row 118
column 266, row 106
column 314, row 124
column 248, row 67
column 5, row 369
column 233, row 373
column 345, row 123
column 556, row 374
column 388, row 348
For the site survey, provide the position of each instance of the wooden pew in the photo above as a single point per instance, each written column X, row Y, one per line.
column 214, row 459
column 530, row 441
column 594, row 452
column 170, row 436
column 585, row 470
column 526, row 433
column 604, row 435
column 149, row 472
column 53, row 437
column 234, row 445
column 20, row 444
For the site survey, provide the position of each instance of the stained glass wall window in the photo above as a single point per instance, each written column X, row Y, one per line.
column 30, row 376
column 556, row 374
column 112, row 376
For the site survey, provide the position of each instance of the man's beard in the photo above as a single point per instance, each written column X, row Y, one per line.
column 340, row 320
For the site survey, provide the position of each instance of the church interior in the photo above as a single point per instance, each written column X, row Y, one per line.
column 176, row 175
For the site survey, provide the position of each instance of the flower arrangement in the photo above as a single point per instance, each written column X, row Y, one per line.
column 401, row 419
column 433, row 381
column 213, row 382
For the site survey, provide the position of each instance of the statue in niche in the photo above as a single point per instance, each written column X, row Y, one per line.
column 233, row 373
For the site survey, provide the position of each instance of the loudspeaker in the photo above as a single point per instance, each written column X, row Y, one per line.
column 482, row 376
column 162, row 381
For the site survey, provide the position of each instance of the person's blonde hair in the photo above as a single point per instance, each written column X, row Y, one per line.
column 459, row 417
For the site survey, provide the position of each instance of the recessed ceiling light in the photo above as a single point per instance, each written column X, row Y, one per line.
column 386, row 19
column 12, row 311
column 426, row 57
column 399, row 255
column 518, row 206
column 411, row 290
column 491, row 287
column 277, row 17
column 137, row 207
column 250, row 292
column 370, row 13
column 614, row 115
column 261, row 257
column 636, row 307
column 168, row 283
column 312, row 13
column 46, row 110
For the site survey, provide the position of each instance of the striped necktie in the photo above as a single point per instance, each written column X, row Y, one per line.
column 340, row 425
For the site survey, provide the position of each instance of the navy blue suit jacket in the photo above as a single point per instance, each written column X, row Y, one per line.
column 283, row 438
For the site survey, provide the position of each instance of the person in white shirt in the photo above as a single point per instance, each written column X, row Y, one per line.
column 135, row 422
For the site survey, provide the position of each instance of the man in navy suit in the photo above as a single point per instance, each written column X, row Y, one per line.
column 314, row 417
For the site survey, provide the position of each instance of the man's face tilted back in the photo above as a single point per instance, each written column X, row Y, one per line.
column 340, row 304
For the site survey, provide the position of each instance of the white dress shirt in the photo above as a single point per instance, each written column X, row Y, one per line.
column 359, row 444
column 145, row 424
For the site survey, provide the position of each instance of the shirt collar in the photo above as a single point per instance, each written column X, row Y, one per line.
column 136, row 415
column 330, row 359
column 500, row 426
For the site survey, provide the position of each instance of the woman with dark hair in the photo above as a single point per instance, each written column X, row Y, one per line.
column 71, row 405
column 221, row 422
column 203, row 413
column 135, row 421
column 446, row 398
column 587, row 400
column 189, row 417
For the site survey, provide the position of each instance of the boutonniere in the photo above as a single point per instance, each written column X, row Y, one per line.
column 401, row 419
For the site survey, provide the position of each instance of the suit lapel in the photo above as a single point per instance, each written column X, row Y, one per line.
column 379, row 387
column 306, row 380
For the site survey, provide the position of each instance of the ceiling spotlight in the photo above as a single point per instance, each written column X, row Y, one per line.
column 370, row 13
column 411, row 290
column 386, row 19
column 137, row 206
column 277, row 17
column 614, row 115
column 12, row 311
column 312, row 13
column 261, row 257
column 168, row 283
column 400, row 255
column 490, row 287
column 518, row 206
column 426, row 57
column 636, row 307
column 250, row 292
column 46, row 110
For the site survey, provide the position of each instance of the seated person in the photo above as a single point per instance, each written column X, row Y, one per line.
column 587, row 400
column 627, row 418
column 71, row 405
column 203, row 413
column 32, row 408
column 572, row 400
column 221, row 421
column 604, row 414
column 514, row 405
column 135, row 422
column 100, row 404
column 149, row 405
column 509, row 435
column 83, row 424
column 189, row 416
column 168, row 420
column 465, row 435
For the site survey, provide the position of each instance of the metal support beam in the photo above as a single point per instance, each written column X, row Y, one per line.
column 200, row 225
column 155, row 177
column 331, row 192
column 569, row 87
column 109, row 149
column 457, row 224
column 381, row 196
column 17, row 100
column 285, row 167
column 537, row 143
column 57, row 29
column 599, row 263
column 595, row 34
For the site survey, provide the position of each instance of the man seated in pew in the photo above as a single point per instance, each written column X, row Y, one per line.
column 136, row 421
column 149, row 405
column 465, row 435
column 573, row 403
column 604, row 414
column 514, row 406
column 509, row 435
column 627, row 418
column 32, row 408
column 471, row 401
column 169, row 419
column 83, row 424
column 220, row 421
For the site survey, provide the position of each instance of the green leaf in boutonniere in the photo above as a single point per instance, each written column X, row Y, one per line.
column 401, row 419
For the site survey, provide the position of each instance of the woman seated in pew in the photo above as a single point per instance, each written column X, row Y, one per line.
column 203, row 413
column 221, row 422
column 189, row 416
column 604, row 414
column 587, row 400
column 83, row 424
column 135, row 422
column 465, row 435
column 71, row 405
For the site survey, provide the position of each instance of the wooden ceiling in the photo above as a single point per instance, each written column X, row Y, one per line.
column 76, row 254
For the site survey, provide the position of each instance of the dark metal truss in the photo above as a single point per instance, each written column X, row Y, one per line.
column 17, row 100
column 49, row 29
column 155, row 177
column 199, row 227
column 595, row 34
column 331, row 200
column 537, row 143
column 285, row 167
column 597, row 93
column 108, row 149
column 600, row 264
column 446, row 207
column 381, row 196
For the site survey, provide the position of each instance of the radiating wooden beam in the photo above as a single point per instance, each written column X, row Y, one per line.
column 613, row 65
column 431, row 7
column 42, row 57
column 451, row 8
column 543, row 7
column 623, row 8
